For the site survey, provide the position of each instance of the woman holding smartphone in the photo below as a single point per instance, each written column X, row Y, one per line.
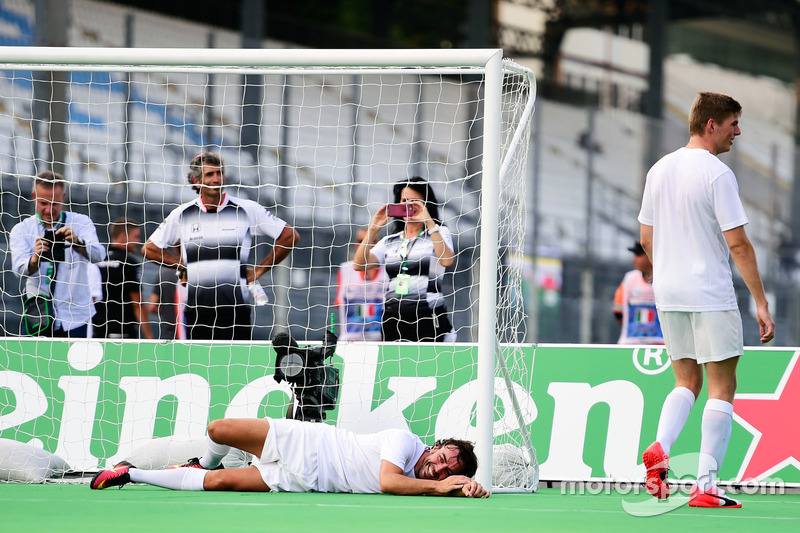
column 415, row 255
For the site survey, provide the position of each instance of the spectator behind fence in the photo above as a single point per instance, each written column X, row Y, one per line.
column 635, row 304
column 215, row 233
column 51, row 251
column 415, row 255
column 121, row 312
column 359, row 299
column 162, row 304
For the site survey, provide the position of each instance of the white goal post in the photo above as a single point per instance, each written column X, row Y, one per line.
column 393, row 113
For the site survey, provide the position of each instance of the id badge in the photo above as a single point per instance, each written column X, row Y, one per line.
column 403, row 284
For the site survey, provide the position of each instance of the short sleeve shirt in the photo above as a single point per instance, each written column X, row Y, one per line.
column 324, row 458
column 690, row 199
column 216, row 246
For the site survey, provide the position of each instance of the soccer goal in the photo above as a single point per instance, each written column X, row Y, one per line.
column 319, row 138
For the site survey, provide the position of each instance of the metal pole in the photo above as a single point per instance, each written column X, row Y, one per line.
column 58, row 23
column 657, row 25
column 416, row 138
column 52, row 29
column 252, row 26
column 488, row 274
column 126, row 165
column 533, row 221
column 356, row 96
column 587, row 277
column 280, row 276
column 795, row 199
column 208, row 128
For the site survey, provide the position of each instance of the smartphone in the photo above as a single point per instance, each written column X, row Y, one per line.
column 399, row 210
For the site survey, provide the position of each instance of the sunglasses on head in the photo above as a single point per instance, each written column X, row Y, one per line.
column 203, row 155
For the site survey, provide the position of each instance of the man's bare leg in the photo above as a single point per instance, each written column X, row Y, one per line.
column 246, row 434
column 238, row 479
column 721, row 378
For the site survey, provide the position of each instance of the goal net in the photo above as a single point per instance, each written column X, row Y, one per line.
column 319, row 139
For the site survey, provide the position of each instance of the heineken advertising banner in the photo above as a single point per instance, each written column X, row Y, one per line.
column 591, row 409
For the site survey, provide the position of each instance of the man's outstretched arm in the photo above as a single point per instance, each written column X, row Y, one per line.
column 394, row 482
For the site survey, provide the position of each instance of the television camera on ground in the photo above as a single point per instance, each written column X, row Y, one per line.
column 315, row 384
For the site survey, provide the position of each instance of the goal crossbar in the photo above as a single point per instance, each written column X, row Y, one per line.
column 217, row 57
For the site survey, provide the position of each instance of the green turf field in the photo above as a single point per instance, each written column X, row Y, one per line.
column 65, row 508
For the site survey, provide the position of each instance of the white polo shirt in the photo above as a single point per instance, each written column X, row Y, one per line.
column 215, row 246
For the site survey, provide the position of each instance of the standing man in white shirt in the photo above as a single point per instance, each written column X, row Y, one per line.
column 692, row 222
column 215, row 234
column 52, row 250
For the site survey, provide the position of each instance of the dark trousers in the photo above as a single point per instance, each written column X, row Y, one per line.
column 224, row 323
column 414, row 322
column 80, row 332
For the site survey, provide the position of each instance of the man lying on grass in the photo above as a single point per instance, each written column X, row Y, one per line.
column 294, row 456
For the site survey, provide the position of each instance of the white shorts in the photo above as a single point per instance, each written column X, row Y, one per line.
column 288, row 462
column 706, row 336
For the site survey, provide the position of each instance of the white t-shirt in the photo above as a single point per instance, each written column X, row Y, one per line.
column 690, row 199
column 323, row 458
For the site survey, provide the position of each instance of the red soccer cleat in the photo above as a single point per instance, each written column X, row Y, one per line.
column 712, row 498
column 116, row 477
column 657, row 464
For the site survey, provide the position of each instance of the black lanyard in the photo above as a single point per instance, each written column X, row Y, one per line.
column 403, row 246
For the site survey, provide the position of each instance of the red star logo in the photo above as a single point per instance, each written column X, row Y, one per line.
column 772, row 419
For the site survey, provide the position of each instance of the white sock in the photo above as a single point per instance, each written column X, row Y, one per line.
column 716, row 433
column 175, row 479
column 674, row 413
column 214, row 454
